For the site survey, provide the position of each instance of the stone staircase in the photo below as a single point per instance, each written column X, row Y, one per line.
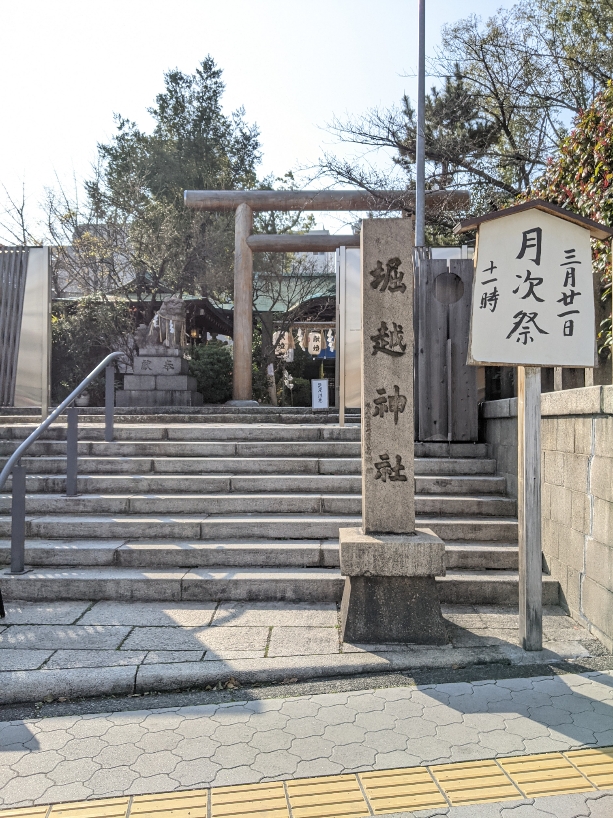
column 202, row 507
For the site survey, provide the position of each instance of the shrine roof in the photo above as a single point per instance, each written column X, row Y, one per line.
column 597, row 230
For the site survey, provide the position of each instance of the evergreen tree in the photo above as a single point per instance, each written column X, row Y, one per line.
column 142, row 176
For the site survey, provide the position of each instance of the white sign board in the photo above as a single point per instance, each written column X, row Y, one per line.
column 349, row 327
column 319, row 394
column 533, row 301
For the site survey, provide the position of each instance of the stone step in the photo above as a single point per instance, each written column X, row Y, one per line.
column 257, row 483
column 141, row 433
column 183, row 449
column 494, row 556
column 459, row 484
column 147, row 554
column 190, row 432
column 501, row 530
column 489, row 588
column 202, row 415
column 223, row 447
column 235, row 503
column 255, row 584
column 245, row 527
column 184, row 466
column 194, row 465
column 465, row 505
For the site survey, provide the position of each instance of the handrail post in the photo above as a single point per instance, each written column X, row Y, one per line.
column 109, row 403
column 18, row 519
column 72, row 450
column 16, row 456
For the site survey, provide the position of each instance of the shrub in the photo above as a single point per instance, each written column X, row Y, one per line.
column 211, row 365
column 258, row 368
column 300, row 395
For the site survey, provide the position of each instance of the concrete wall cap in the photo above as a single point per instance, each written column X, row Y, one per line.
column 587, row 400
column 500, row 408
column 583, row 401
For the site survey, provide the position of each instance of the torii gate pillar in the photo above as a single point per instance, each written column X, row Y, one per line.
column 243, row 307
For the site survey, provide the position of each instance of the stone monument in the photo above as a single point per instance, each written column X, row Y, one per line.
column 160, row 369
column 389, row 566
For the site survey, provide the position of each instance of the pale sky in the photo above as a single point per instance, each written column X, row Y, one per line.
column 67, row 66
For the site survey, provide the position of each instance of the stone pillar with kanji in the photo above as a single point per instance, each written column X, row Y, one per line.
column 389, row 566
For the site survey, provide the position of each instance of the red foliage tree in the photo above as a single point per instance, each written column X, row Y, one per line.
column 580, row 178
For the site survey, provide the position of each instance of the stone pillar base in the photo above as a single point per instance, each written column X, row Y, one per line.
column 161, row 378
column 390, row 592
column 379, row 610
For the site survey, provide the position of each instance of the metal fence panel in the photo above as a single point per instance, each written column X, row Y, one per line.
column 13, row 271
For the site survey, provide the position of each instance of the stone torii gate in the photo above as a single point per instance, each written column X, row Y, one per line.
column 245, row 202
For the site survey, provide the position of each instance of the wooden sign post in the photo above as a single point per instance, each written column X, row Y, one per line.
column 529, row 506
column 533, row 306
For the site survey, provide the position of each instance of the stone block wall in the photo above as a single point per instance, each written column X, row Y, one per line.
column 500, row 422
column 577, row 494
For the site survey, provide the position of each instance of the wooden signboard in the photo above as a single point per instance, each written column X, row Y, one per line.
column 533, row 306
column 533, row 302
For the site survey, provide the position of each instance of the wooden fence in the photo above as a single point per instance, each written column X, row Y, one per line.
column 446, row 399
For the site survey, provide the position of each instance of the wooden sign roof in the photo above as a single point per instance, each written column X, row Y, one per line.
column 597, row 230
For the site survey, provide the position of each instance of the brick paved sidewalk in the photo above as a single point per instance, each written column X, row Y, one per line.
column 67, row 649
column 69, row 758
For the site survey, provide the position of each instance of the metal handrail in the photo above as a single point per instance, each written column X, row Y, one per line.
column 23, row 447
column 18, row 506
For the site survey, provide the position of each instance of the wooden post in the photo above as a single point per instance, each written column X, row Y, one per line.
column 339, row 363
column 243, row 307
column 529, row 510
column 432, row 324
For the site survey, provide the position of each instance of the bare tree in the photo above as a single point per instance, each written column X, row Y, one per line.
column 15, row 222
column 89, row 254
column 509, row 88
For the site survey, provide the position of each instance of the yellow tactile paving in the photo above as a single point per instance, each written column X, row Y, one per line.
column 547, row 774
column 105, row 808
column 184, row 804
column 335, row 796
column 340, row 796
column 252, row 801
column 404, row 789
column 474, row 782
column 595, row 764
